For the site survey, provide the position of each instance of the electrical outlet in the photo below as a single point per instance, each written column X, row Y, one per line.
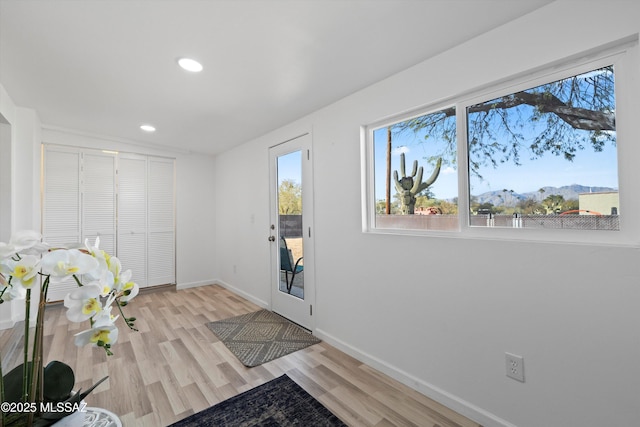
column 515, row 366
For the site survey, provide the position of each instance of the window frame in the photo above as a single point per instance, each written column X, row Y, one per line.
column 623, row 57
column 369, row 153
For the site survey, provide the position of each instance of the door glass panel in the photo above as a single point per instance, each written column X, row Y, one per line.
column 291, row 256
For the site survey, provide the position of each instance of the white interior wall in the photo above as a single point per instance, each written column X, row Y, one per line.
column 5, row 179
column 20, row 191
column 439, row 313
column 9, row 312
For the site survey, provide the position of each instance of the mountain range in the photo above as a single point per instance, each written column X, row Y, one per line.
column 508, row 198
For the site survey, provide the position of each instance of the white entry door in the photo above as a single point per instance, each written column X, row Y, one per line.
column 291, row 233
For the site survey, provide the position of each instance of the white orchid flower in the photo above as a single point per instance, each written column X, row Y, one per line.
column 63, row 263
column 129, row 291
column 83, row 303
column 26, row 242
column 115, row 267
column 12, row 292
column 6, row 251
column 104, row 331
column 23, row 271
column 122, row 281
column 105, row 281
column 101, row 256
column 123, row 284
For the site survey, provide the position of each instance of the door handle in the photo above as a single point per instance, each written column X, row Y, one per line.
column 272, row 238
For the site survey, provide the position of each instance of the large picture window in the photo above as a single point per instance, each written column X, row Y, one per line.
column 546, row 157
column 536, row 157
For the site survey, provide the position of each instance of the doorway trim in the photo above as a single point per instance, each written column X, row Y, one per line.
column 300, row 311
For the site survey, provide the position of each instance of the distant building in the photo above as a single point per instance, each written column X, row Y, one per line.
column 605, row 203
column 431, row 210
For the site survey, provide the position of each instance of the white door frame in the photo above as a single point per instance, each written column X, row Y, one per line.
column 300, row 311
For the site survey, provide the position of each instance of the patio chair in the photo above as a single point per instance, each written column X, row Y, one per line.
column 287, row 265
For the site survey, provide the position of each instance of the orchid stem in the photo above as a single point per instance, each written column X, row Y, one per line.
column 126, row 320
column 25, row 366
column 37, row 390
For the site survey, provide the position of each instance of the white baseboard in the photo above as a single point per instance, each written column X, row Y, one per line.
column 11, row 323
column 462, row 407
column 194, row 284
column 243, row 294
column 7, row 324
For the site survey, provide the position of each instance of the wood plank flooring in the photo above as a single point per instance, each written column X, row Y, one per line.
column 174, row 366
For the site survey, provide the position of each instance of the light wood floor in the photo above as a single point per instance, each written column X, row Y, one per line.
column 174, row 366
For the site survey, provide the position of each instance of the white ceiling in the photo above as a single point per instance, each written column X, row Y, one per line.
column 106, row 66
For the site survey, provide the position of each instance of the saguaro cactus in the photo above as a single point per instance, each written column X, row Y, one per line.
column 409, row 186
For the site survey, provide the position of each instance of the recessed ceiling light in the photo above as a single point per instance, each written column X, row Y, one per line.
column 147, row 128
column 190, row 64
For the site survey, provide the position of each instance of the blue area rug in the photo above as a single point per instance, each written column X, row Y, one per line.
column 279, row 403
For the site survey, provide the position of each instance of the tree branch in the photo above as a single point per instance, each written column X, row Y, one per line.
column 578, row 118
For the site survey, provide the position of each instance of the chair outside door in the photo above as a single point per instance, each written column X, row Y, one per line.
column 287, row 265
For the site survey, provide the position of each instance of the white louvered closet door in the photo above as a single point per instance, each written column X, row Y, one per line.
column 99, row 199
column 161, row 236
column 61, row 206
column 78, row 203
column 132, row 216
column 125, row 199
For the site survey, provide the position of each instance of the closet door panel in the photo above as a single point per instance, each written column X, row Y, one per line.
column 161, row 259
column 132, row 253
column 161, row 240
column 61, row 206
column 99, row 199
column 61, row 201
column 132, row 216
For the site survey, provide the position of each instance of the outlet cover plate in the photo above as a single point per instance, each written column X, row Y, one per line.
column 515, row 366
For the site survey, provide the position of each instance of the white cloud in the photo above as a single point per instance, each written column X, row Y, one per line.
column 399, row 150
column 448, row 170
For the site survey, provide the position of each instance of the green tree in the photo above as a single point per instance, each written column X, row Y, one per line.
column 485, row 207
column 289, row 197
column 529, row 206
column 500, row 130
column 553, row 204
column 571, row 204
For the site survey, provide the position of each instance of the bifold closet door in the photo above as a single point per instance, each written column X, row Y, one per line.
column 61, row 206
column 99, row 199
column 127, row 200
column 132, row 215
column 161, row 224
column 78, row 203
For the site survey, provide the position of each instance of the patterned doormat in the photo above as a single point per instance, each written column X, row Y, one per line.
column 278, row 403
column 258, row 337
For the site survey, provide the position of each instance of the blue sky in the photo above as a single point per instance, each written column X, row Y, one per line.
column 290, row 167
column 593, row 89
column 588, row 168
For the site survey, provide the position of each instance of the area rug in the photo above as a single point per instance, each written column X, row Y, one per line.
column 278, row 403
column 261, row 336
